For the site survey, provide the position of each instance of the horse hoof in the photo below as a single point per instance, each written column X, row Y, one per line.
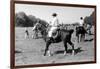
column 65, row 53
column 44, row 54
column 49, row 55
column 73, row 53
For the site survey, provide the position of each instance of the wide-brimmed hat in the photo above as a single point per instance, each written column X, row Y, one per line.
column 54, row 14
column 81, row 17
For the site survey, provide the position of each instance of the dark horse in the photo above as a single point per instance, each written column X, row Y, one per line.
column 63, row 35
column 80, row 33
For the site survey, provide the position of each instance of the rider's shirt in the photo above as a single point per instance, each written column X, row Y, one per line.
column 81, row 22
column 55, row 22
column 54, row 25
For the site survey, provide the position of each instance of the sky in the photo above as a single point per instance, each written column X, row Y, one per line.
column 65, row 14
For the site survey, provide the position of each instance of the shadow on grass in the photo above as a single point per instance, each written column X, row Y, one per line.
column 78, row 50
column 18, row 51
column 90, row 34
column 88, row 40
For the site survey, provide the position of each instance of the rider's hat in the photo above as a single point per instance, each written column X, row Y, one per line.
column 54, row 14
column 81, row 18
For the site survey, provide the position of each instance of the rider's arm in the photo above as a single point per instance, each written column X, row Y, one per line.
column 57, row 22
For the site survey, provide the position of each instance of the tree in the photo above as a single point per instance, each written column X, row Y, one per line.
column 22, row 20
column 90, row 19
column 33, row 19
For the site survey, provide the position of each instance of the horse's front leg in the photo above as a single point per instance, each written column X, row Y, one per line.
column 47, row 49
column 78, row 39
column 65, row 45
column 73, row 51
column 37, row 35
column 34, row 35
column 83, row 37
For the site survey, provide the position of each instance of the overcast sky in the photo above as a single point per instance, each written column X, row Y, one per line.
column 65, row 14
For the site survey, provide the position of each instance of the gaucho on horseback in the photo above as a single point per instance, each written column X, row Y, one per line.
column 54, row 26
column 61, row 35
column 80, row 30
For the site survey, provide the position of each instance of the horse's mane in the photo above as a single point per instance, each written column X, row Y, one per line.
column 70, row 30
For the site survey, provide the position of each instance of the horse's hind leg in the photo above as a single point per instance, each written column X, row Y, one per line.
column 73, row 51
column 65, row 45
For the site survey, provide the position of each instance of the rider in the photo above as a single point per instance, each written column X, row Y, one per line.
column 82, row 25
column 81, row 22
column 54, row 24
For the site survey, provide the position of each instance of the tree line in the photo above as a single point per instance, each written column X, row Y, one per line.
column 23, row 20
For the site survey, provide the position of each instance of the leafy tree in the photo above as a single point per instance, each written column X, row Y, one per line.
column 90, row 19
column 22, row 20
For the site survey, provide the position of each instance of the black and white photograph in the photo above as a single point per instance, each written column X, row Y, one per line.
column 54, row 34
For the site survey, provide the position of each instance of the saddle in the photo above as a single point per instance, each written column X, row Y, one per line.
column 55, row 33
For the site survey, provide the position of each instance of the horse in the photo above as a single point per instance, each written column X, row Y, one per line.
column 35, row 30
column 63, row 36
column 80, row 33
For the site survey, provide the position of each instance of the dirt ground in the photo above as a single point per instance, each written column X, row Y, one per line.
column 30, row 51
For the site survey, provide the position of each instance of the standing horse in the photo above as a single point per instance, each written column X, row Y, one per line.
column 35, row 30
column 63, row 35
column 80, row 33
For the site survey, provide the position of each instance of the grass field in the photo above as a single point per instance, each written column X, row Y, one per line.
column 30, row 51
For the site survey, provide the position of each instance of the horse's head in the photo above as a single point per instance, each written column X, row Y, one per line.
column 42, row 28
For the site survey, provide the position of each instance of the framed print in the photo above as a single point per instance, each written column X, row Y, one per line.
column 51, row 34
